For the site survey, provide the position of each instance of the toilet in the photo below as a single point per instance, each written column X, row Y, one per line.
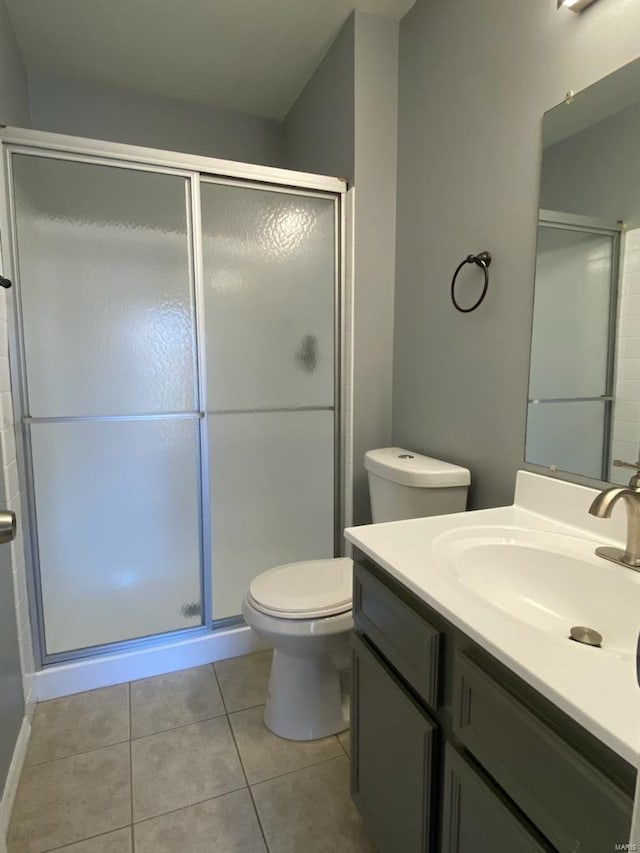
column 303, row 609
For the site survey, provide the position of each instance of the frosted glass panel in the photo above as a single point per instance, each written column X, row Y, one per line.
column 571, row 315
column 568, row 435
column 118, row 529
column 271, row 496
column 106, row 289
column 269, row 262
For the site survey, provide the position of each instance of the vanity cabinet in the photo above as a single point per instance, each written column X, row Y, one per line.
column 393, row 771
column 453, row 753
column 475, row 817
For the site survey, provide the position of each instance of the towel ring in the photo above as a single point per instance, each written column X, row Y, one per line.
column 483, row 260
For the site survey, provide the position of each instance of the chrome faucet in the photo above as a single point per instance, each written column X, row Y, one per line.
column 602, row 508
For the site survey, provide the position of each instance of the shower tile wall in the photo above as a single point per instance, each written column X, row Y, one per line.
column 10, row 473
column 626, row 416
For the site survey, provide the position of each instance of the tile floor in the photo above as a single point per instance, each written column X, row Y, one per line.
column 181, row 763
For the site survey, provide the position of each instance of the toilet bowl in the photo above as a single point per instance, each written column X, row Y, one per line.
column 303, row 609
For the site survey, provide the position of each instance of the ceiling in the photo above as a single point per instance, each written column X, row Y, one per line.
column 254, row 56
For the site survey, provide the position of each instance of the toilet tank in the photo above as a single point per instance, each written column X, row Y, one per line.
column 403, row 484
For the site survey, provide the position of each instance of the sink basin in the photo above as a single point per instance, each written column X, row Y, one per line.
column 551, row 581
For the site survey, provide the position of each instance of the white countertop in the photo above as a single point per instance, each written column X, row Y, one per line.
column 597, row 689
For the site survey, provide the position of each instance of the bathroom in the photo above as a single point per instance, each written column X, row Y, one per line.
column 424, row 122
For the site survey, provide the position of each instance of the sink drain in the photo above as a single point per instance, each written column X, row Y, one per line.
column 585, row 635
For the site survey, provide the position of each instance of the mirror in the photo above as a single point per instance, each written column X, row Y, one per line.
column 584, row 380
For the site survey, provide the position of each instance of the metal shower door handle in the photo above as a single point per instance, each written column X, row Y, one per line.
column 7, row 526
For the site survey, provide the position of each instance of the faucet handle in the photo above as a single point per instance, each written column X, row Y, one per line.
column 634, row 482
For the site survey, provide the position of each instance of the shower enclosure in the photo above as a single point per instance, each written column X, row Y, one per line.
column 176, row 373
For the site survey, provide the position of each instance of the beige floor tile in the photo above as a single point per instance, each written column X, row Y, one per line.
column 227, row 824
column 345, row 740
column 184, row 766
column 244, row 680
column 311, row 811
column 264, row 755
column 79, row 723
column 176, row 699
column 71, row 799
column 113, row 842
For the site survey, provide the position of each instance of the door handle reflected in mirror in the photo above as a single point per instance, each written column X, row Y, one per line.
column 7, row 526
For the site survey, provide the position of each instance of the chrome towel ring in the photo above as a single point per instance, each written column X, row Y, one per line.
column 483, row 260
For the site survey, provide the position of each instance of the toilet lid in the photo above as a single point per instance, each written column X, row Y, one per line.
column 308, row 590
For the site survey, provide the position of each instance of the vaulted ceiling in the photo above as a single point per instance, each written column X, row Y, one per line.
column 249, row 55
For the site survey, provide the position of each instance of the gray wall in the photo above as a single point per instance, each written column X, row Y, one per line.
column 475, row 79
column 104, row 112
column 13, row 110
column 376, row 122
column 319, row 128
column 14, row 102
column 609, row 153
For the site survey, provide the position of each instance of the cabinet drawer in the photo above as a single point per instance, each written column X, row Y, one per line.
column 392, row 747
column 406, row 640
column 475, row 817
column 572, row 803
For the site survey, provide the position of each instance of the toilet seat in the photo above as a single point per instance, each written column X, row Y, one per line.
column 309, row 590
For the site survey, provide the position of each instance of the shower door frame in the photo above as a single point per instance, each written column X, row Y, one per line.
column 195, row 169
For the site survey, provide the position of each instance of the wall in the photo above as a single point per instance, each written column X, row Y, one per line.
column 376, row 117
column 609, row 154
column 16, row 657
column 319, row 128
column 345, row 123
column 14, row 104
column 104, row 112
column 475, row 79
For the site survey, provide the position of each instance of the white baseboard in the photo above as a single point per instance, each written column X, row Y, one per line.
column 104, row 670
column 13, row 777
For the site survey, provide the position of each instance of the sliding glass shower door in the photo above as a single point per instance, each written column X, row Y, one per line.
column 270, row 284
column 177, row 336
column 111, row 402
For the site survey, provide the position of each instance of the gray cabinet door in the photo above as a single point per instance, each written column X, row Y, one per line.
column 391, row 758
column 475, row 818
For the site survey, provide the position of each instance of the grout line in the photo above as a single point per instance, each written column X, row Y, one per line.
column 342, row 745
column 183, row 726
column 215, row 675
column 248, row 708
column 69, row 844
column 246, row 778
column 189, row 806
column 257, row 813
column 244, row 772
column 298, row 770
column 76, row 754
